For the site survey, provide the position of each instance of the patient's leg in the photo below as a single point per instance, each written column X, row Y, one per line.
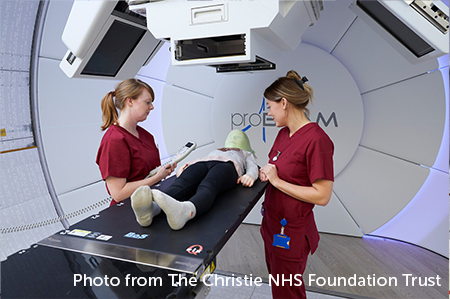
column 212, row 178
column 177, row 212
column 143, row 206
column 185, row 186
column 222, row 176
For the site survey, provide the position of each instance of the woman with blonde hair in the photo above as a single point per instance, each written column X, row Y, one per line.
column 300, row 175
column 128, row 152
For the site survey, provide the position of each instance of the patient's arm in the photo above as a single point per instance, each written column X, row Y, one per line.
column 251, row 170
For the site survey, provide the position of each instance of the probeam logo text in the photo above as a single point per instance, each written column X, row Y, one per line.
column 245, row 121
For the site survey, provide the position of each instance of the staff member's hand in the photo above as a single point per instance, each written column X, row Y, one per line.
column 163, row 172
column 268, row 172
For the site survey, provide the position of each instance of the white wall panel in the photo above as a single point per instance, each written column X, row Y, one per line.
column 435, row 239
column 158, row 66
column 15, row 111
column 17, row 20
column 429, row 206
column 153, row 122
column 71, row 152
column 335, row 219
column 55, row 21
column 194, row 78
column 27, row 223
column 70, row 119
column 84, row 202
column 334, row 21
column 185, row 116
column 407, row 119
column 372, row 61
column 22, row 178
column 10, row 61
column 442, row 160
column 14, row 144
column 375, row 187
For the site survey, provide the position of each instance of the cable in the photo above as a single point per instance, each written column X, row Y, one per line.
column 57, row 219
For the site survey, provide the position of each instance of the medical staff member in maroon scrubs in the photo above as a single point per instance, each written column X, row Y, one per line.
column 300, row 172
column 128, row 152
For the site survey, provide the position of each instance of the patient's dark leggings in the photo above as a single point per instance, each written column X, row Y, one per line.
column 201, row 182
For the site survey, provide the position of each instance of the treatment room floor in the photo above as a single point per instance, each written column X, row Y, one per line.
column 343, row 256
column 262, row 291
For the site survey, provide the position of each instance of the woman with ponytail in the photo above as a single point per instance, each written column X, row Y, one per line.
column 300, row 175
column 128, row 152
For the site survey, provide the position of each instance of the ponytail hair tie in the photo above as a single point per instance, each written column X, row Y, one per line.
column 301, row 82
column 112, row 93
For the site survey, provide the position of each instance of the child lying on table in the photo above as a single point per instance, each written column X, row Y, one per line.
column 198, row 183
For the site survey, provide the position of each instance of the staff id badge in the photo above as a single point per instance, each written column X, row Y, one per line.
column 281, row 240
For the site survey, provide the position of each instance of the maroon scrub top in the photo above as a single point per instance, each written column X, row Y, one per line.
column 302, row 159
column 123, row 155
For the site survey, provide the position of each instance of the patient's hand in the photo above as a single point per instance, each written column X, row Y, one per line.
column 246, row 180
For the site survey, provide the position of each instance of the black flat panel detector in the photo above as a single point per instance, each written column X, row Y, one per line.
column 395, row 27
column 114, row 50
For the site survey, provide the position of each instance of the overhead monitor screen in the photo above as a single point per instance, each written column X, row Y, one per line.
column 114, row 49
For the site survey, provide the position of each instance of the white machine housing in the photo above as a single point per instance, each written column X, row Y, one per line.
column 222, row 33
column 106, row 40
column 417, row 29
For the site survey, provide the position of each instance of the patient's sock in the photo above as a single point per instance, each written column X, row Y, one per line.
column 156, row 209
column 143, row 206
column 177, row 212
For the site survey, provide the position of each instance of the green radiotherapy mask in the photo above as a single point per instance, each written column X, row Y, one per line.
column 238, row 139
